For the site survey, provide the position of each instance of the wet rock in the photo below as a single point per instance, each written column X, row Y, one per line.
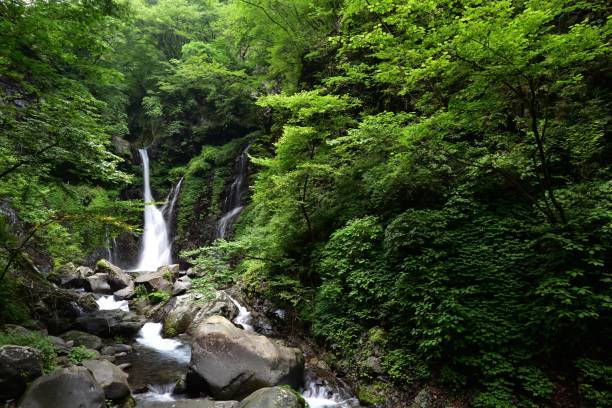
column 190, row 403
column 182, row 285
column 272, row 397
column 85, row 271
column 58, row 308
column 424, row 399
column 169, row 270
column 110, row 377
column 110, row 323
column 80, row 338
column 116, row 348
column 125, row 293
column 154, row 281
column 99, row 283
column 228, row 363
column 61, row 346
column 18, row 366
column 65, row 388
column 185, row 312
column 117, row 278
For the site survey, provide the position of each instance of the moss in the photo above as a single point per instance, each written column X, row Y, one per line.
column 34, row 340
column 371, row 394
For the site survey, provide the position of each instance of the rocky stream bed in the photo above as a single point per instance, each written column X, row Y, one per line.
column 188, row 350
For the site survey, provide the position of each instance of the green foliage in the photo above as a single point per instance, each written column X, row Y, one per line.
column 79, row 354
column 158, row 296
column 34, row 340
column 595, row 381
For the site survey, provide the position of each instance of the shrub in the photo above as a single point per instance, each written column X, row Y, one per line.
column 34, row 340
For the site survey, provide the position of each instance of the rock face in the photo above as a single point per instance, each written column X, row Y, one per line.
column 154, row 281
column 182, row 285
column 109, row 323
column 99, row 283
column 117, row 278
column 229, row 363
column 110, row 377
column 272, row 397
column 184, row 313
column 65, row 388
column 18, row 366
column 80, row 338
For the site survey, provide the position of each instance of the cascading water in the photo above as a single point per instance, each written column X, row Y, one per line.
column 233, row 200
column 109, row 303
column 244, row 316
column 156, row 249
column 318, row 394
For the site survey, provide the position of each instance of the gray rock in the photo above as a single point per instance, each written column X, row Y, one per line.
column 231, row 363
column 154, row 281
column 272, row 397
column 80, row 338
column 181, row 286
column 125, row 293
column 109, row 323
column 424, row 399
column 69, row 276
column 85, row 271
column 169, row 269
column 115, row 349
column 189, row 403
column 112, row 379
column 65, row 388
column 373, row 365
column 184, row 313
column 60, row 345
column 18, row 366
column 117, row 278
column 99, row 283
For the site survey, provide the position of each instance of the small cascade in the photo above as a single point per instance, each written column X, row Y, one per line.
column 168, row 208
column 233, row 201
column 244, row 317
column 156, row 250
column 109, row 303
column 158, row 392
column 150, row 336
column 319, row 394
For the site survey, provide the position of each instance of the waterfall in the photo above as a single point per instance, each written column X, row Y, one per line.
column 233, row 201
column 156, row 250
column 244, row 316
column 168, row 208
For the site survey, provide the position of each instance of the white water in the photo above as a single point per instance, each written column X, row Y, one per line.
column 168, row 208
column 158, row 392
column 319, row 395
column 244, row 317
column 156, row 250
column 150, row 336
column 109, row 303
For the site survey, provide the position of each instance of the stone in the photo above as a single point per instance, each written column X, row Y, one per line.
column 154, row 281
column 184, row 313
column 172, row 270
column 374, row 365
column 229, row 363
column 18, row 366
column 188, row 403
column 69, row 276
column 60, row 345
column 110, row 323
column 65, row 388
column 117, row 278
column 125, row 293
column 424, row 399
column 115, row 349
column 181, row 286
column 85, row 271
column 99, row 283
column 110, row 377
column 80, row 338
column 272, row 397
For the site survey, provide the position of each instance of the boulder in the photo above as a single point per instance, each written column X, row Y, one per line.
column 424, row 399
column 116, row 348
column 18, row 366
column 154, row 281
column 169, row 270
column 125, row 293
column 185, row 312
column 85, row 271
column 80, row 338
column 272, row 397
column 99, row 283
column 58, row 308
column 230, row 363
column 182, row 285
column 61, row 346
column 65, row 388
column 69, row 276
column 109, row 323
column 117, row 278
column 110, row 377
column 188, row 403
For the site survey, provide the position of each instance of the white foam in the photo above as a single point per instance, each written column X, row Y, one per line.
column 109, row 303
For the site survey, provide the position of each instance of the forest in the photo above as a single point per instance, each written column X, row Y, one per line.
column 421, row 190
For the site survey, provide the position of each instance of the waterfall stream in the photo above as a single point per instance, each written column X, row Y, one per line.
column 233, row 201
column 156, row 250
